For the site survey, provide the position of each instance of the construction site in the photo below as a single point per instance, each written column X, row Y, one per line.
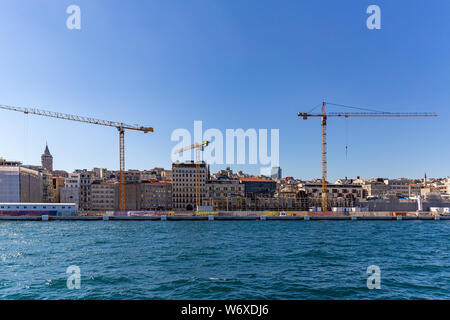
column 190, row 189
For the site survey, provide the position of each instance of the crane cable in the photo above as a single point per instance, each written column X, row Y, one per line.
column 346, row 138
column 358, row 108
column 346, row 122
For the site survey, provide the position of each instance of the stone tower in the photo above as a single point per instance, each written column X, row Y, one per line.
column 47, row 159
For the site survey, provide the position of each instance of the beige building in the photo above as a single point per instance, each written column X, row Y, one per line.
column 103, row 196
column 184, row 184
column 70, row 193
column 224, row 188
column 401, row 188
column 148, row 195
column 225, row 194
column 156, row 195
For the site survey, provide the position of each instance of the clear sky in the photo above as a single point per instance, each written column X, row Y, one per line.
column 232, row 64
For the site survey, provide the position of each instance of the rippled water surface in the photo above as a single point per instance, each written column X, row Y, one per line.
column 225, row 259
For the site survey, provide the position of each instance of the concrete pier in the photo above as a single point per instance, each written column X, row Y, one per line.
column 223, row 218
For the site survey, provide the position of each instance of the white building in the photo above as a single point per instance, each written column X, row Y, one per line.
column 37, row 209
column 70, row 193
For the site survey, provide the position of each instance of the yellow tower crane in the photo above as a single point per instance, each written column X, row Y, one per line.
column 324, row 115
column 199, row 147
column 120, row 126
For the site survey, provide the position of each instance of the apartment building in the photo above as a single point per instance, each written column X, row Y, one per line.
column 156, row 195
column 70, row 193
column 103, row 195
column 86, row 179
column 224, row 187
column 184, row 184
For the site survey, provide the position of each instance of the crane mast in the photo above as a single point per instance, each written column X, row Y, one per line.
column 324, row 158
column 121, row 127
column 324, row 116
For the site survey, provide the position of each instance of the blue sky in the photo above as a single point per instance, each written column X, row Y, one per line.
column 232, row 64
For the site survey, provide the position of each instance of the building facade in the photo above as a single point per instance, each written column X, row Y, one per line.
column 103, row 195
column 225, row 194
column 258, row 186
column 184, row 184
column 70, row 193
column 18, row 184
column 37, row 209
column 86, row 179
column 156, row 195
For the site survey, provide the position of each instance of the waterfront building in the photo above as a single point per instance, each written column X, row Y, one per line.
column 19, row 184
column 37, row 209
column 156, row 195
column 224, row 187
column 133, row 197
column 259, row 186
column 314, row 190
column 86, row 179
column 225, row 194
column 47, row 159
column 145, row 195
column 289, row 197
column 338, row 195
column 401, row 188
column 70, row 193
column 103, row 196
column 184, row 195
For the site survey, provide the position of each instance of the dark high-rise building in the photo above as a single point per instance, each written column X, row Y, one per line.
column 275, row 173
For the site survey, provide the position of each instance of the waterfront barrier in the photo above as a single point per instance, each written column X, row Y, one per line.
column 222, row 218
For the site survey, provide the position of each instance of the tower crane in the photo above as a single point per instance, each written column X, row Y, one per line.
column 324, row 115
column 199, row 147
column 120, row 126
